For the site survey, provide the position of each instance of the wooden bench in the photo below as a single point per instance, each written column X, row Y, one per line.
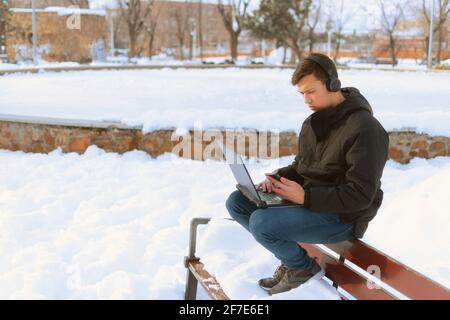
column 354, row 268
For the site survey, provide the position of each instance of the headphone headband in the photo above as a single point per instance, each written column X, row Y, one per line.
column 333, row 83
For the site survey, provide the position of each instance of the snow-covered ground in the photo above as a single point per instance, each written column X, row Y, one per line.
column 103, row 225
column 260, row 99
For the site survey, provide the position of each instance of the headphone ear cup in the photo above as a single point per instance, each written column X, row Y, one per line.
column 333, row 84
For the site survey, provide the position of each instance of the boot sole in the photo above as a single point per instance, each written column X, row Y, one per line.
column 264, row 288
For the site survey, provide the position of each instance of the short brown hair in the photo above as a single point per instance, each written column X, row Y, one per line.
column 307, row 67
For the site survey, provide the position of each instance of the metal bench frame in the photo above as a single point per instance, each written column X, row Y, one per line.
column 355, row 269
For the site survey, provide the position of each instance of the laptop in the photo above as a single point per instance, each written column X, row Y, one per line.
column 246, row 185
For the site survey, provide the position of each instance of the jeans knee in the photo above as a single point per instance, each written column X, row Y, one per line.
column 232, row 201
column 259, row 223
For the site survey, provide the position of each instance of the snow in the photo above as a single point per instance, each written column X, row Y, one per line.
column 64, row 11
column 220, row 98
column 108, row 226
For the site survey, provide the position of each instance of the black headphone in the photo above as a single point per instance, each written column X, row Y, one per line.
column 333, row 84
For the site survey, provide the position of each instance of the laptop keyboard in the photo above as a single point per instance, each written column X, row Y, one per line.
column 269, row 197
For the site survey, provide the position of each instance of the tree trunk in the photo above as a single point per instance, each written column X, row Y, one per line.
column 298, row 52
column 427, row 40
column 200, row 32
column 150, row 46
column 293, row 59
column 338, row 47
column 191, row 46
column 234, row 45
column 311, row 43
column 284, row 54
column 392, row 45
column 438, row 57
column 180, row 46
column 132, row 46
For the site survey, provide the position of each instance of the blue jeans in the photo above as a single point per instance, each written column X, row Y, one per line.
column 279, row 229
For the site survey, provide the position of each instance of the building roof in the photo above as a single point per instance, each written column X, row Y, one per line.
column 63, row 11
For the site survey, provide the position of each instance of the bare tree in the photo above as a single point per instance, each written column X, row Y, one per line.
column 439, row 22
column 297, row 15
column 3, row 17
column 135, row 13
column 182, row 16
column 390, row 19
column 150, row 28
column 340, row 16
column 312, row 23
column 233, row 16
column 200, row 30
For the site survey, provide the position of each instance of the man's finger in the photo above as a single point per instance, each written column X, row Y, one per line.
column 278, row 185
column 286, row 181
column 274, row 182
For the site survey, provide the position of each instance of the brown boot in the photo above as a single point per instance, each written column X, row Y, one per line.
column 293, row 278
column 268, row 283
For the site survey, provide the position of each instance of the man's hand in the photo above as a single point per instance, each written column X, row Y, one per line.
column 265, row 186
column 288, row 190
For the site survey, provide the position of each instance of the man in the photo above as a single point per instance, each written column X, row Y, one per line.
column 335, row 177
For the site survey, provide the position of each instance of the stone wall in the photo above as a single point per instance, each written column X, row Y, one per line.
column 44, row 135
column 403, row 146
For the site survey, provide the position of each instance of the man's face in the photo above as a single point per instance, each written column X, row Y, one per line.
column 315, row 93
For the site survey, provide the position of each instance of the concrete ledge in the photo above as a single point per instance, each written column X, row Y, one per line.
column 138, row 67
column 194, row 66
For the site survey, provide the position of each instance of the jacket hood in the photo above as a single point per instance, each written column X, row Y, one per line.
column 323, row 120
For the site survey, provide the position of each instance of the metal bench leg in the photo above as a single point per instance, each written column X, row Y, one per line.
column 190, row 292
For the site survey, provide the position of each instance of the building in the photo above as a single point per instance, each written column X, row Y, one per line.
column 42, row 4
column 411, row 39
column 64, row 34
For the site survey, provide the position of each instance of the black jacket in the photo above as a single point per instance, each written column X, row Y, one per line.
column 342, row 153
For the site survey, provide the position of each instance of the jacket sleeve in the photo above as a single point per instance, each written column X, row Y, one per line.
column 289, row 171
column 365, row 158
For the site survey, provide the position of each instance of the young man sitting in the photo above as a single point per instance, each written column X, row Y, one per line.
column 335, row 177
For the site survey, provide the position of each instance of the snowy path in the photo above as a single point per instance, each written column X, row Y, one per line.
column 260, row 99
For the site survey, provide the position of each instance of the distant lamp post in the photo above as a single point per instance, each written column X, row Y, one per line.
column 193, row 36
column 263, row 49
column 329, row 27
column 34, row 30
column 111, row 32
column 430, row 38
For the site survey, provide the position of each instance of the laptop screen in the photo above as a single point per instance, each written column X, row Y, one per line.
column 239, row 170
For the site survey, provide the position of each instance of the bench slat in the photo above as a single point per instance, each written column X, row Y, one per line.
column 404, row 279
column 207, row 281
column 344, row 277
